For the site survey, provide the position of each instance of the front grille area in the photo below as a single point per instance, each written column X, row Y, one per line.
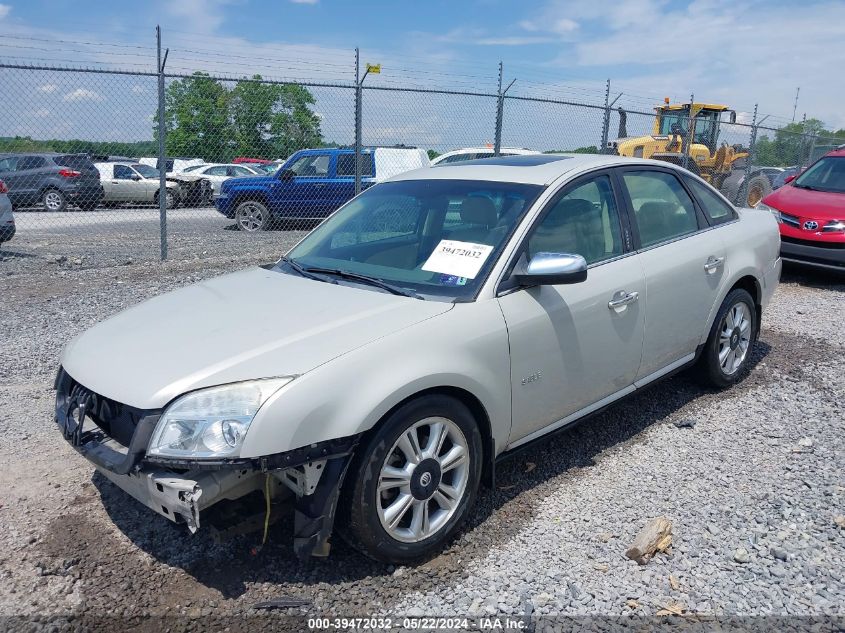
column 115, row 419
column 790, row 220
column 813, row 243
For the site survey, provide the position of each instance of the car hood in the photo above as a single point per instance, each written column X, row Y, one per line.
column 184, row 177
column 805, row 203
column 256, row 323
column 249, row 181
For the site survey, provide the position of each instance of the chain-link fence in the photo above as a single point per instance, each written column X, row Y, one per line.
column 241, row 168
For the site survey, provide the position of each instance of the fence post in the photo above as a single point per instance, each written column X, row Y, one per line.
column 500, row 112
column 162, row 163
column 690, row 132
column 752, row 143
column 606, row 123
column 500, row 108
column 358, row 120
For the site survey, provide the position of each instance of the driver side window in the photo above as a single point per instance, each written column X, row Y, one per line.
column 314, row 166
column 583, row 221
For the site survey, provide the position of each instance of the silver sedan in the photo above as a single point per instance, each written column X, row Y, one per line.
column 374, row 376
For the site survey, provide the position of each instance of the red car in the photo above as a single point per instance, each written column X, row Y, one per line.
column 810, row 209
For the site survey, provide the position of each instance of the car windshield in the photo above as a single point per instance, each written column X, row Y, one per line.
column 433, row 237
column 146, row 171
column 828, row 174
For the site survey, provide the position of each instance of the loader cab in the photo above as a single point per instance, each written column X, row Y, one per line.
column 675, row 120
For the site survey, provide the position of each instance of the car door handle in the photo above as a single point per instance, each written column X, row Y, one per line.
column 713, row 263
column 622, row 298
column 319, row 185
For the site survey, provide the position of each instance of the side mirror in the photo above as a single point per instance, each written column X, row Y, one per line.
column 789, row 179
column 287, row 175
column 136, row 177
column 550, row 269
column 733, row 116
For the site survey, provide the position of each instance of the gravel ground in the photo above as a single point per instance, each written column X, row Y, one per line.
column 752, row 480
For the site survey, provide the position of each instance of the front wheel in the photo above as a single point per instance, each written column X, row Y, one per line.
column 415, row 482
column 252, row 216
column 169, row 199
column 725, row 354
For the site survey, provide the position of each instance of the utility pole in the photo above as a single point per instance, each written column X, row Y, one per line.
column 162, row 162
column 795, row 105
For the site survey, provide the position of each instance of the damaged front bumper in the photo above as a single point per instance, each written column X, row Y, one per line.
column 114, row 437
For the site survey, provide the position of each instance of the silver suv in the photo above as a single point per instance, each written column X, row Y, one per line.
column 429, row 326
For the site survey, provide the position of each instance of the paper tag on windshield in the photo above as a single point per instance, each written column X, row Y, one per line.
column 462, row 259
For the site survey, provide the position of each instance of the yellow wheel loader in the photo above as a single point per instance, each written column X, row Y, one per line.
column 688, row 135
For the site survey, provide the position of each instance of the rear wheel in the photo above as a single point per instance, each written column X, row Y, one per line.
column 252, row 216
column 415, row 481
column 54, row 200
column 726, row 352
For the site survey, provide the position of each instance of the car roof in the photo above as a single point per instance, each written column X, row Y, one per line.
column 537, row 169
column 839, row 151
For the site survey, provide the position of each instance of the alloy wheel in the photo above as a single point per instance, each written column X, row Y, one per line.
column 423, row 479
column 250, row 217
column 734, row 338
column 53, row 201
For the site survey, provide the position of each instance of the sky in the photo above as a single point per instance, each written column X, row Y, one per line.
column 736, row 53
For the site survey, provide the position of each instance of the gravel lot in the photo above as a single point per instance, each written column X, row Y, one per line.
column 752, row 480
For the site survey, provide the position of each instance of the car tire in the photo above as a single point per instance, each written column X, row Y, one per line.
column 54, row 200
column 404, row 500
column 169, row 199
column 252, row 216
column 752, row 193
column 726, row 353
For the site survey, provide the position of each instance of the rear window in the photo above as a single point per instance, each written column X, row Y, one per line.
column 75, row 161
column 716, row 209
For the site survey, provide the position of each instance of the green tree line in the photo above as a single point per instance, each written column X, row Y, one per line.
column 796, row 143
column 207, row 119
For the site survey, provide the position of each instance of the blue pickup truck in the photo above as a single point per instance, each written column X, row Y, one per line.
column 310, row 185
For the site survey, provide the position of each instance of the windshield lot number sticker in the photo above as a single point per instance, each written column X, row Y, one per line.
column 462, row 259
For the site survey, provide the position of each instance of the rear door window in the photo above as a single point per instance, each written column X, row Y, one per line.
column 663, row 210
column 8, row 164
column 346, row 165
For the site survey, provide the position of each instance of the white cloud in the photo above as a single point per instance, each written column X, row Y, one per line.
column 137, row 90
column 4, row 10
column 48, row 88
column 42, row 113
column 737, row 53
column 83, row 94
column 204, row 16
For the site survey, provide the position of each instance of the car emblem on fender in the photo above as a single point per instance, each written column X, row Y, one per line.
column 811, row 225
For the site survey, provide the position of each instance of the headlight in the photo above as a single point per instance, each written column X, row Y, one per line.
column 211, row 423
column 764, row 207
